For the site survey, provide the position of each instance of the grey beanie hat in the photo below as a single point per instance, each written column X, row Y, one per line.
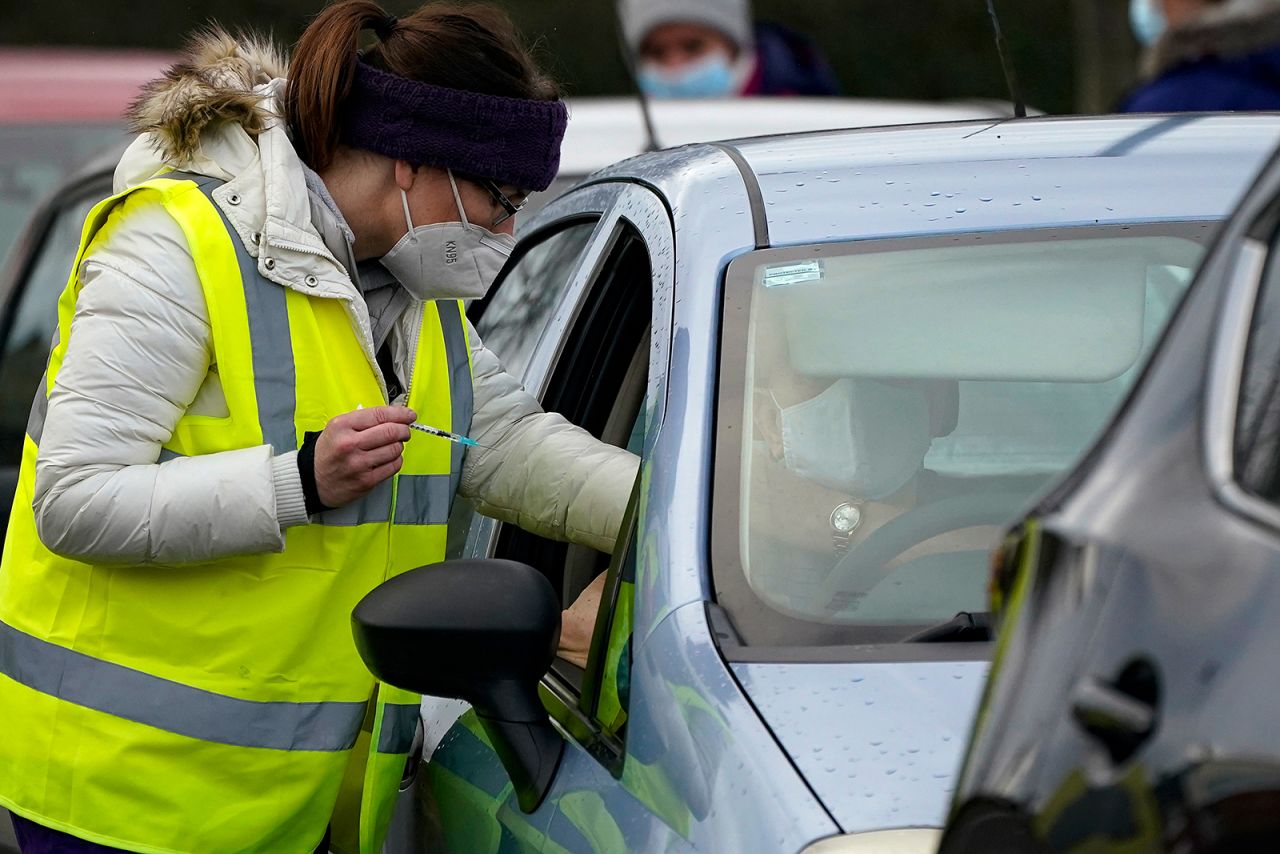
column 731, row 17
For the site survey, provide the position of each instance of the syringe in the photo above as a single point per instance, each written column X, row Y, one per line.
column 445, row 434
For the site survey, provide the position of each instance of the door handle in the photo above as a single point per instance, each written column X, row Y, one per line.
column 1119, row 713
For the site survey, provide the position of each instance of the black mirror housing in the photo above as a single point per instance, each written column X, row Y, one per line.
column 483, row 631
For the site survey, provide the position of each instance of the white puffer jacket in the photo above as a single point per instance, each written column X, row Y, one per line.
column 139, row 357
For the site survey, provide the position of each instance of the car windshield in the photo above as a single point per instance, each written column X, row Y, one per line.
column 887, row 407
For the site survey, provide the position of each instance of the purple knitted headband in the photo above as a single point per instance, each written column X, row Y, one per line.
column 508, row 140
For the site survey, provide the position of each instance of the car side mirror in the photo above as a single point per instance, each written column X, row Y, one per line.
column 483, row 631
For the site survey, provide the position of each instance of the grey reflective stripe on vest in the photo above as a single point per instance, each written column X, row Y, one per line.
column 40, row 405
column 171, row 706
column 274, row 378
column 461, row 392
column 399, row 723
column 39, row 409
column 424, row 499
column 374, row 507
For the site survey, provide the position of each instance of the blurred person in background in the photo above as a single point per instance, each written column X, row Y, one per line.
column 712, row 49
column 1207, row 55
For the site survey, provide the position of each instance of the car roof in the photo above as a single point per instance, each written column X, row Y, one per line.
column 985, row 175
column 73, row 84
column 605, row 130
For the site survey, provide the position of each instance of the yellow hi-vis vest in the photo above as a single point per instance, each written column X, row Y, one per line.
column 214, row 707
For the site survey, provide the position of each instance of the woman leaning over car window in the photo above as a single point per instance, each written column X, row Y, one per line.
column 220, row 462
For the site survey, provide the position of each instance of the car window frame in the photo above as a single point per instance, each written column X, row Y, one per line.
column 612, row 201
column 639, row 207
column 572, row 703
column 1258, row 248
column 572, row 699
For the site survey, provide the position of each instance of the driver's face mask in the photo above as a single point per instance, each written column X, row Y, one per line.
column 447, row 260
column 863, row 438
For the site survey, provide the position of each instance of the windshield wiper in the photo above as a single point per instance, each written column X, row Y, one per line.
column 964, row 627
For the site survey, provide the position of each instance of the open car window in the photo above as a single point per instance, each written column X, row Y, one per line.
column 598, row 383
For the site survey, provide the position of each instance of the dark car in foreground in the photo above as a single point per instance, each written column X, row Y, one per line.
column 1132, row 705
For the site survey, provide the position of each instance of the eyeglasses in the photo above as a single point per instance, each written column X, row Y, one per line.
column 510, row 208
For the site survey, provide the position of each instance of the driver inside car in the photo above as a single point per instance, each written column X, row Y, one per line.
column 836, row 459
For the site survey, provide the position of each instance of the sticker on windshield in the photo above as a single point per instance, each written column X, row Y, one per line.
column 792, row 274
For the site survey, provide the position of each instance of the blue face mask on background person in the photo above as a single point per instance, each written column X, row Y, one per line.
column 710, row 77
column 1147, row 19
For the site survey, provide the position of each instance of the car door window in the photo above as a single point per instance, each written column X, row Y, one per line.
column 599, row 384
column 510, row 321
column 1257, row 439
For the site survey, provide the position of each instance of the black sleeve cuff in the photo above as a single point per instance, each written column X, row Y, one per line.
column 307, row 472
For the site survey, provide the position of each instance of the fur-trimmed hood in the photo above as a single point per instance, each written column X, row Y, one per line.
column 1232, row 30
column 212, row 83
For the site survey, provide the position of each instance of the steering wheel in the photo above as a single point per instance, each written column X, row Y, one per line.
column 863, row 567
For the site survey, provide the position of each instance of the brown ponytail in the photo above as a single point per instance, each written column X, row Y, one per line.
column 472, row 47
